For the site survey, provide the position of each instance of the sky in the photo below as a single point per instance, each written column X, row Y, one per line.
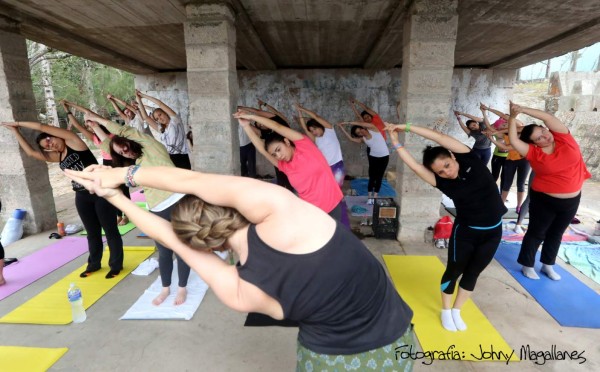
column 586, row 62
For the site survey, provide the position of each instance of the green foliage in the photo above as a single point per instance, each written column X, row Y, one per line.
column 68, row 82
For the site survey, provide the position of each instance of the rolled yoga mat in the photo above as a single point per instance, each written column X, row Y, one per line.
column 52, row 306
column 570, row 302
column 40, row 263
column 417, row 279
column 30, row 359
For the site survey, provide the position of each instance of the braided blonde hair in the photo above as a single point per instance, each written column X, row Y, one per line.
column 202, row 225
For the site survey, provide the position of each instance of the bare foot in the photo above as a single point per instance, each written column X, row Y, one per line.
column 124, row 221
column 181, row 296
column 2, row 281
column 164, row 293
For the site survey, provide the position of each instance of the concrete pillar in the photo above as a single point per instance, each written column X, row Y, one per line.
column 212, row 86
column 425, row 99
column 24, row 181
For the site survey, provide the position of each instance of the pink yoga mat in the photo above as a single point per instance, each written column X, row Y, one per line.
column 39, row 264
column 138, row 196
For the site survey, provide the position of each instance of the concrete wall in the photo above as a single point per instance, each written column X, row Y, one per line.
column 470, row 87
column 577, row 91
column 585, row 127
column 171, row 88
column 327, row 92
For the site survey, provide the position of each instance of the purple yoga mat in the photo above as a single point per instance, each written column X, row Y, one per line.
column 39, row 264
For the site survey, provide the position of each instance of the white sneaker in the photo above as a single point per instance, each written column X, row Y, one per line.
column 440, row 244
column 370, row 201
column 518, row 229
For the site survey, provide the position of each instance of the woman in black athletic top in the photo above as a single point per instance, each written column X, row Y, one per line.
column 302, row 266
column 62, row 146
column 456, row 171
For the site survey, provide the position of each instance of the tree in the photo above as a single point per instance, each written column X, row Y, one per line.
column 75, row 79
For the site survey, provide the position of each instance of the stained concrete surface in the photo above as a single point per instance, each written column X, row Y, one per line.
column 215, row 339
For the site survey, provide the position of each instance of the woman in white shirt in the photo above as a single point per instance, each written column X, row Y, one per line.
column 321, row 132
column 379, row 154
column 173, row 132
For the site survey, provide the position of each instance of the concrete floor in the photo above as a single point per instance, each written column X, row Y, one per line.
column 215, row 339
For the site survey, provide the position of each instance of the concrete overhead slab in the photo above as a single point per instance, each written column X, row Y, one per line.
column 148, row 36
column 215, row 339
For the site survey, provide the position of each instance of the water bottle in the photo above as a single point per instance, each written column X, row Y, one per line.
column 13, row 230
column 76, row 302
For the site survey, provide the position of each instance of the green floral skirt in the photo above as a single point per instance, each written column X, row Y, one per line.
column 380, row 359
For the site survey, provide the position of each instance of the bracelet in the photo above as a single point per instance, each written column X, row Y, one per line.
column 407, row 128
column 129, row 181
column 398, row 146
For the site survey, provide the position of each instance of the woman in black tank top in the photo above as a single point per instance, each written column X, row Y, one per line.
column 347, row 312
column 57, row 145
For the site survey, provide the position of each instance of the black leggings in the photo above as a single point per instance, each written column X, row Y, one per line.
column 521, row 168
column 497, row 163
column 181, row 161
column 471, row 250
column 123, row 188
column 549, row 217
column 377, row 168
column 248, row 160
column 96, row 214
column 165, row 258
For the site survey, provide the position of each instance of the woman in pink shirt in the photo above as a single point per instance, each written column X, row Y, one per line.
column 300, row 159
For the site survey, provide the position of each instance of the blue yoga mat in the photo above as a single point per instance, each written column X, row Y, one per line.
column 361, row 184
column 570, row 302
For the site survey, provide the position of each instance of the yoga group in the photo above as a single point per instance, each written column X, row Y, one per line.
column 297, row 260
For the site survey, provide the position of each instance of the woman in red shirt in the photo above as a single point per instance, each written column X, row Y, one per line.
column 555, row 193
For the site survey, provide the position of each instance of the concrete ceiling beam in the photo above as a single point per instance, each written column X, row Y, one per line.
column 251, row 52
column 387, row 50
column 576, row 38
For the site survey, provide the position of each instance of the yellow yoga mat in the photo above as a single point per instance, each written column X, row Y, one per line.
column 30, row 359
column 52, row 306
column 417, row 279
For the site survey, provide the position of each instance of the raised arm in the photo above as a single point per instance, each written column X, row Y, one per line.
column 551, row 121
column 71, row 139
column 355, row 140
column 158, row 102
column 362, row 124
column 286, row 132
column 486, row 121
column 442, row 139
column 119, row 111
column 51, row 156
column 142, row 111
column 366, row 108
column 420, row 170
column 317, row 117
column 122, row 103
column 74, row 122
column 353, row 105
column 521, row 146
column 302, row 121
column 472, row 117
column 258, row 201
column 273, row 110
column 460, row 122
column 253, row 135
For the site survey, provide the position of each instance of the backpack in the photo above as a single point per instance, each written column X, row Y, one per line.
column 443, row 228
